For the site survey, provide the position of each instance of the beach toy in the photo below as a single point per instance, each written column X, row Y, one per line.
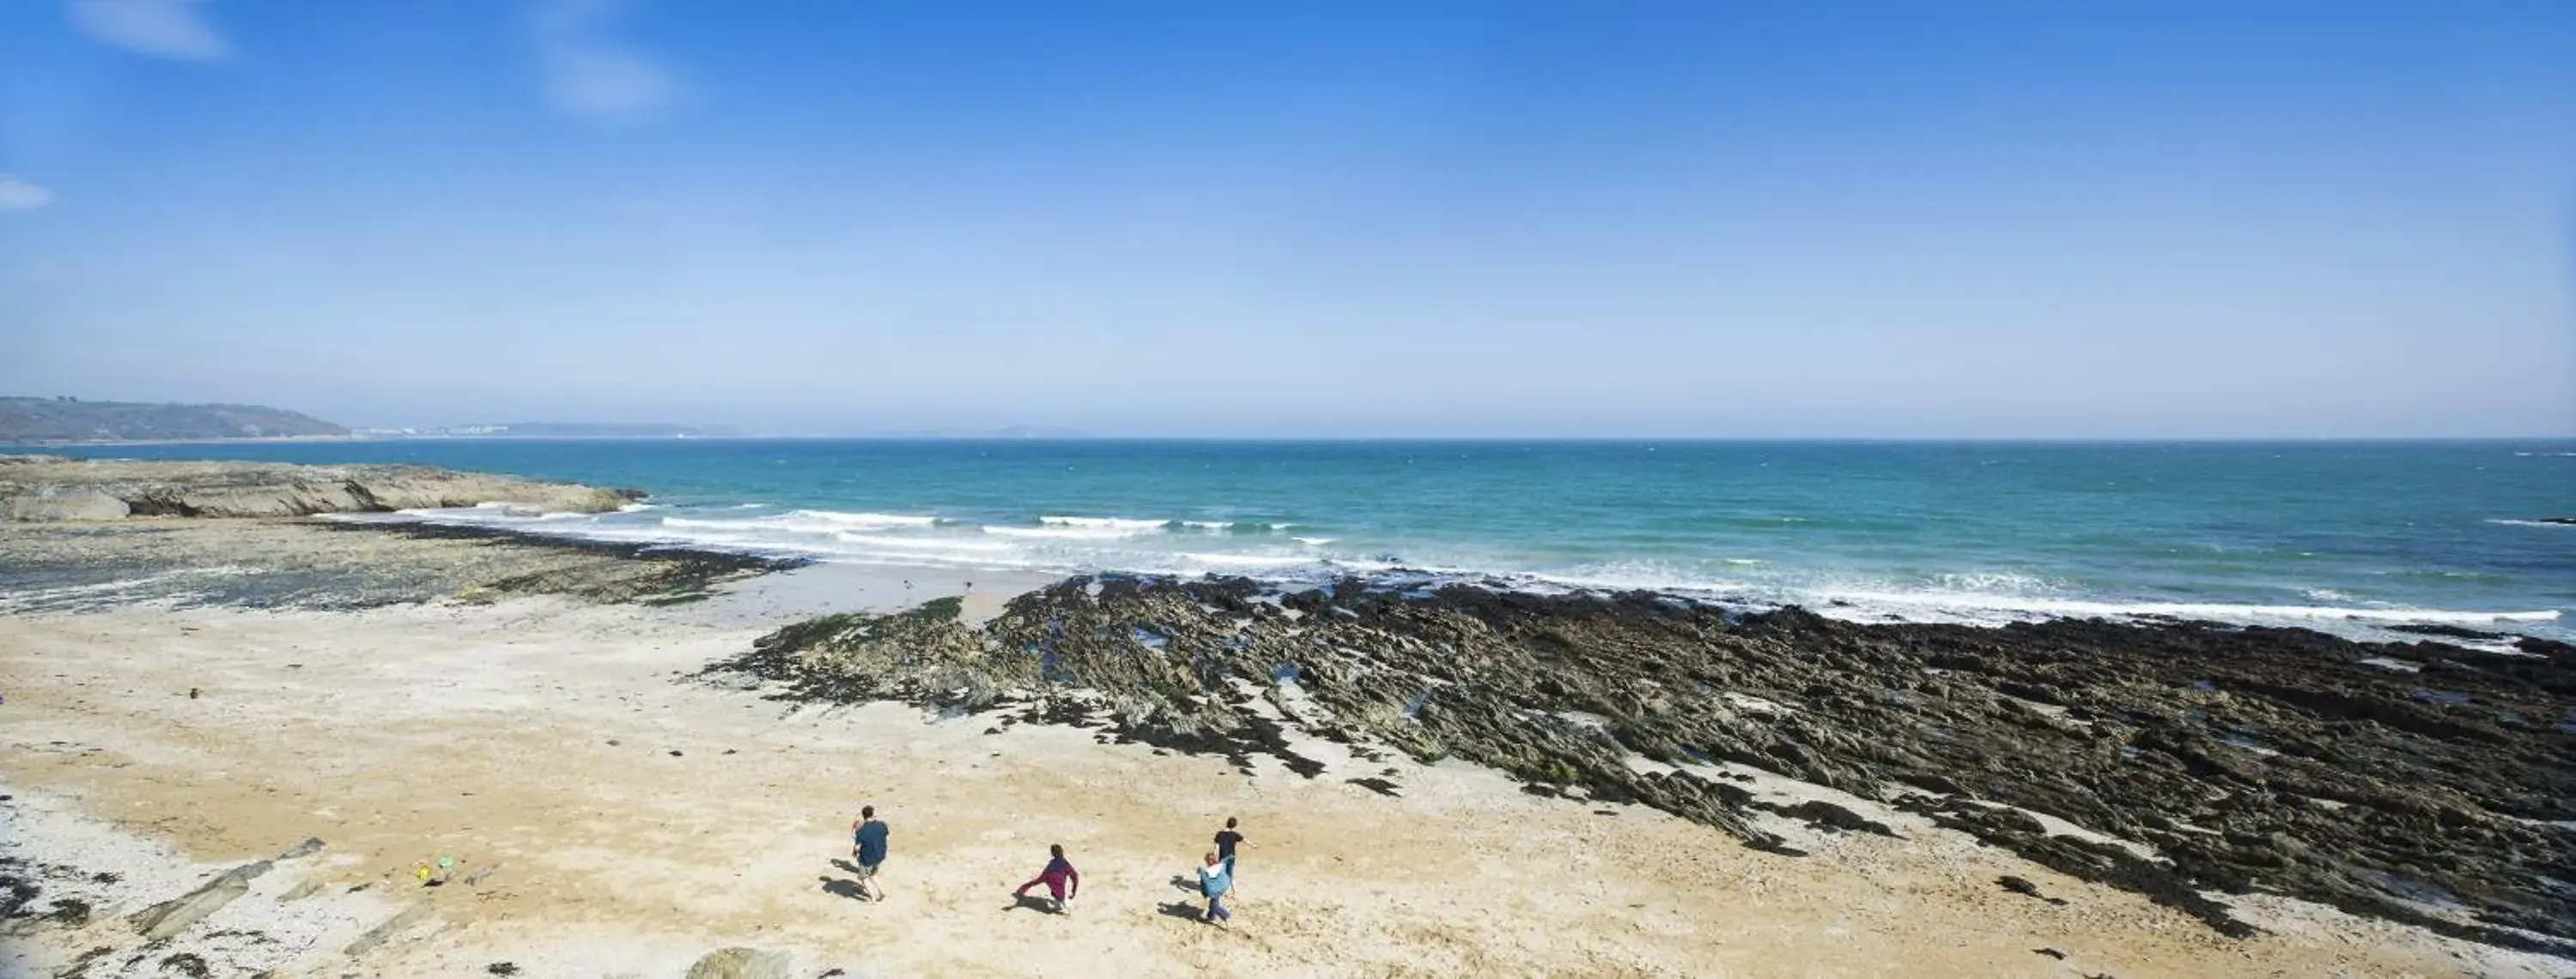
column 432, row 875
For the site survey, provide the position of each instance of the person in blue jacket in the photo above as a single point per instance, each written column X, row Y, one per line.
column 1216, row 878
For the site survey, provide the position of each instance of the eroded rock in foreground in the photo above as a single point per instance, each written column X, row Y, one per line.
column 2422, row 782
column 53, row 488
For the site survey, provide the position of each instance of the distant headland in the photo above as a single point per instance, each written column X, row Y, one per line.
column 28, row 420
column 70, row 420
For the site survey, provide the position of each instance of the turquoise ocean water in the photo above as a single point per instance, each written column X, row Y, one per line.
column 2342, row 535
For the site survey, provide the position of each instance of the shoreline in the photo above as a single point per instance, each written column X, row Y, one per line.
column 2392, row 625
column 1168, row 549
column 366, row 680
column 1987, row 590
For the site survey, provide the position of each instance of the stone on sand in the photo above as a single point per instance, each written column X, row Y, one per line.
column 740, row 963
column 172, row 917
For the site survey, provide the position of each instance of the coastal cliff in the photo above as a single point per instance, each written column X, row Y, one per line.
column 53, row 488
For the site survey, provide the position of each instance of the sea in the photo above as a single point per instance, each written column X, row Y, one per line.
column 2350, row 537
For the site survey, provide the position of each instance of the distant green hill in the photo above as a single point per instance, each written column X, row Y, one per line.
column 67, row 420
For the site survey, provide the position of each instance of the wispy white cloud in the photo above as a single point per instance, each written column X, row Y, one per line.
column 592, row 75
column 162, row 28
column 19, row 195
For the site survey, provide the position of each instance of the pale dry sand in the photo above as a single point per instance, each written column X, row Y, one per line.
column 539, row 734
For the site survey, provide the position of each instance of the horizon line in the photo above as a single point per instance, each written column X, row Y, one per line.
column 881, row 437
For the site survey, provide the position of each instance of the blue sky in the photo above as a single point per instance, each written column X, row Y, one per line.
column 1312, row 218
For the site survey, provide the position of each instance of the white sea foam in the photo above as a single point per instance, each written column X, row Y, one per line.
column 983, row 563
column 486, row 514
column 820, row 522
column 1227, row 560
column 700, row 522
column 1993, row 581
column 925, row 543
column 1061, row 533
column 1216, row 526
column 2325, row 595
column 1632, row 577
column 1313, row 541
column 1076, row 528
column 861, row 519
column 1962, row 602
column 2535, row 523
column 1121, row 523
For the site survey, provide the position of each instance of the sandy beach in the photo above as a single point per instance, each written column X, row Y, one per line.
column 644, row 489
column 634, row 819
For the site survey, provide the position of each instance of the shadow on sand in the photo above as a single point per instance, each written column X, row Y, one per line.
column 1024, row 902
column 1183, row 910
column 843, row 888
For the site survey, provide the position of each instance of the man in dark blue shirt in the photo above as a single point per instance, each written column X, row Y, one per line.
column 868, row 849
column 1226, row 840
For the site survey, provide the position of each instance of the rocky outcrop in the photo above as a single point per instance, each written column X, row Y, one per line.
column 54, row 488
column 172, row 917
column 385, row 930
column 740, row 963
column 338, row 564
column 62, row 503
column 2244, row 758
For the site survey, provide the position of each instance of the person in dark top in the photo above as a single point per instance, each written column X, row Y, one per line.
column 868, row 850
column 1063, row 883
column 1226, row 840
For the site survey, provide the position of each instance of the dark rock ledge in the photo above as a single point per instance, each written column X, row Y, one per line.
column 2249, row 759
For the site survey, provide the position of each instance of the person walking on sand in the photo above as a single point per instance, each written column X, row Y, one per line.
column 1226, row 840
column 868, row 851
column 1063, row 883
column 1216, row 878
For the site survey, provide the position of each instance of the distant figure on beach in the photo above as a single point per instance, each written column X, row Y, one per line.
column 1063, row 883
column 868, row 850
column 1226, row 840
column 1216, row 877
